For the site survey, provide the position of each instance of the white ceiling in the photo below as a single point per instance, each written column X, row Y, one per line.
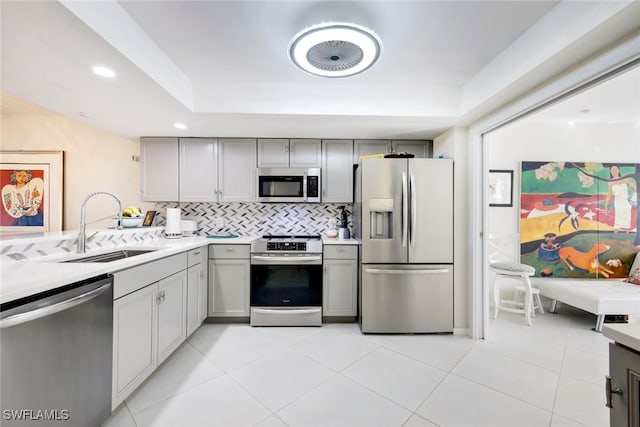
column 222, row 68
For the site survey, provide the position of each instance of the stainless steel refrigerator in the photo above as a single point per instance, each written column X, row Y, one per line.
column 403, row 214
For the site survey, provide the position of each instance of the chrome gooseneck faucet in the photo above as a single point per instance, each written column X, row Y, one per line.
column 82, row 236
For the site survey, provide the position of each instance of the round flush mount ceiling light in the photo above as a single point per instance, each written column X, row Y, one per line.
column 335, row 49
column 179, row 125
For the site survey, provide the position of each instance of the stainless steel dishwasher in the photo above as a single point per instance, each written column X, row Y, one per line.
column 56, row 356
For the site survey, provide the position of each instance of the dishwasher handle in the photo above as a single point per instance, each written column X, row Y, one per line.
column 20, row 318
column 424, row 271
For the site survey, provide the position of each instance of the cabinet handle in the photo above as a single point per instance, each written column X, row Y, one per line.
column 159, row 298
column 610, row 391
column 229, row 249
column 202, row 274
column 196, row 253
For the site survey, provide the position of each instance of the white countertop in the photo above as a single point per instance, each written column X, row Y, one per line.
column 19, row 279
column 23, row 278
column 627, row 334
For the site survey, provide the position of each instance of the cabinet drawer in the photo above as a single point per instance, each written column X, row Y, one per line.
column 194, row 256
column 228, row 251
column 132, row 279
column 341, row 251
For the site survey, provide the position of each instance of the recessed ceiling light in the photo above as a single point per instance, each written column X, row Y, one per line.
column 104, row 72
column 335, row 49
column 179, row 126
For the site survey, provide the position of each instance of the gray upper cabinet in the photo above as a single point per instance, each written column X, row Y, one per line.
column 198, row 169
column 285, row 153
column 367, row 147
column 305, row 153
column 337, row 171
column 421, row 149
column 273, row 153
column 237, row 176
column 159, row 168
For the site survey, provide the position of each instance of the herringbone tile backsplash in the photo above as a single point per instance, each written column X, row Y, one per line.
column 256, row 218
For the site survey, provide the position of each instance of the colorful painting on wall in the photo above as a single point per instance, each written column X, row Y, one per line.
column 579, row 219
column 31, row 186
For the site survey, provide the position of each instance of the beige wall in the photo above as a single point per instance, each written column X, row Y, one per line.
column 452, row 145
column 94, row 160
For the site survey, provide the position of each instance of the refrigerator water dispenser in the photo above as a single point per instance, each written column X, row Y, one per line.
column 381, row 218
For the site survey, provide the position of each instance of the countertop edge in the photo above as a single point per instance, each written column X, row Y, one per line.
column 626, row 334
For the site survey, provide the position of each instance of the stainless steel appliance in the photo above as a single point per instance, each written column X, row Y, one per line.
column 403, row 214
column 289, row 185
column 56, row 356
column 286, row 281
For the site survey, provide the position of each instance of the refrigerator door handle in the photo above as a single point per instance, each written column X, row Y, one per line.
column 387, row 271
column 405, row 209
column 414, row 201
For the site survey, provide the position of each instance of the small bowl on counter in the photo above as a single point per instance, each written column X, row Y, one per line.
column 131, row 221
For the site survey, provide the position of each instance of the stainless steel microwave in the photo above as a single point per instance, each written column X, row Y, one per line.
column 289, row 185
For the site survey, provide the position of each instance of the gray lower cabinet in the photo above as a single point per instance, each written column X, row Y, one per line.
column 229, row 280
column 197, row 288
column 149, row 320
column 340, row 281
column 623, row 386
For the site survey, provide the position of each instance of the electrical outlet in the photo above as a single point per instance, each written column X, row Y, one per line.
column 219, row 222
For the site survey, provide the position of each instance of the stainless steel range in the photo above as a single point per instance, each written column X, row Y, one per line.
column 286, row 281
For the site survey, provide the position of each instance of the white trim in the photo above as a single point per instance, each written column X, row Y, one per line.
column 577, row 79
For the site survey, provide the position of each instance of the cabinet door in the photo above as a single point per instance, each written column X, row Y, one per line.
column 193, row 296
column 305, row 153
column 337, row 171
column 203, row 288
column 421, row 149
column 172, row 323
column 196, row 296
column 367, row 147
column 198, row 170
column 237, row 166
column 134, row 341
column 229, row 287
column 624, row 370
column 273, row 153
column 159, row 168
column 340, row 287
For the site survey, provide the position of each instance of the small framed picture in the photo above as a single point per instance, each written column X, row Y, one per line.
column 501, row 188
column 148, row 219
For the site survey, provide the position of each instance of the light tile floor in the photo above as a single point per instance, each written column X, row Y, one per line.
column 550, row 374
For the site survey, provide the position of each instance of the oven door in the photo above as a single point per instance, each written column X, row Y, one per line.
column 286, row 281
column 282, row 185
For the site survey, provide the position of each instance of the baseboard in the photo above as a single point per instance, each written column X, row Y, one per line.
column 462, row 331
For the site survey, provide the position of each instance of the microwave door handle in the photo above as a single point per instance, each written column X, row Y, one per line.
column 405, row 209
column 304, row 187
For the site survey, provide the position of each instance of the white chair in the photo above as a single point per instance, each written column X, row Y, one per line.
column 502, row 255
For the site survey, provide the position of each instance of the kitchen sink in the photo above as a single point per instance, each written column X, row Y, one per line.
column 111, row 256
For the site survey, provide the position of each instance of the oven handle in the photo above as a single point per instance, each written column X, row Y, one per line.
column 286, row 259
column 285, row 311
